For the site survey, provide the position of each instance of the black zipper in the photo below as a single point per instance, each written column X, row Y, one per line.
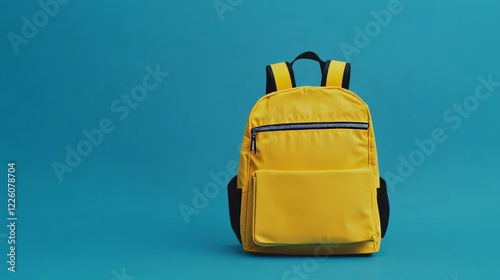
column 303, row 126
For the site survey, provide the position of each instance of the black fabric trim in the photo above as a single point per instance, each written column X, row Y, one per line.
column 270, row 80
column 346, row 79
column 325, row 73
column 234, row 201
column 383, row 206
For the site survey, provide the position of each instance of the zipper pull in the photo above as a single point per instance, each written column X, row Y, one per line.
column 253, row 143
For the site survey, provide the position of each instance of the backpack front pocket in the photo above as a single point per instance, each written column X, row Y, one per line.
column 313, row 207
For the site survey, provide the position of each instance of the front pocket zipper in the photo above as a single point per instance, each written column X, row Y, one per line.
column 303, row 126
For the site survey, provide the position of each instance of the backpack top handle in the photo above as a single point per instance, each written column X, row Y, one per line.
column 280, row 76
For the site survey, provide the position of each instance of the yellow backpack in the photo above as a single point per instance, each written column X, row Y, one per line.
column 308, row 180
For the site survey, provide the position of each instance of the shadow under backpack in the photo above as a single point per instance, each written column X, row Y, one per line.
column 308, row 180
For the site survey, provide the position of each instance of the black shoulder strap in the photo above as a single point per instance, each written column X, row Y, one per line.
column 279, row 76
column 336, row 73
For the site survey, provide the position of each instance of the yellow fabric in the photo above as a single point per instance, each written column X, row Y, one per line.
column 335, row 73
column 281, row 76
column 321, row 201
column 310, row 190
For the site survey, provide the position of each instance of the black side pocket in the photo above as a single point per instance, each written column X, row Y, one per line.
column 234, row 199
column 383, row 206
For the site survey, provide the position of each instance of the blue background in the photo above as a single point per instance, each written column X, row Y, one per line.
column 117, row 213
